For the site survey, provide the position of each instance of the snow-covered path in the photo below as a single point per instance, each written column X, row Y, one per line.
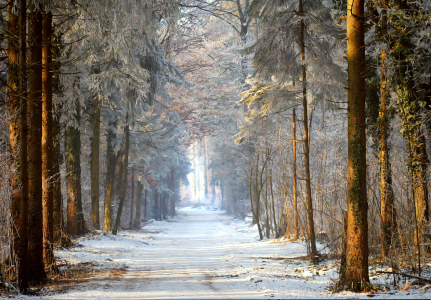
column 188, row 258
column 200, row 254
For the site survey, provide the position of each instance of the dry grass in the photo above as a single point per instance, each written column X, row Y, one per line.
column 69, row 277
column 77, row 275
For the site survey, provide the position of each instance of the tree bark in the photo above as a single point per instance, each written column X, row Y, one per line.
column 95, row 166
column 75, row 218
column 35, row 241
column 23, row 163
column 171, row 198
column 145, row 204
column 295, row 184
column 222, row 194
column 137, row 221
column 57, row 140
column 306, row 143
column 132, row 197
column 110, row 176
column 118, row 182
column 284, row 219
column 387, row 201
column 14, row 130
column 205, row 170
column 56, row 180
column 156, row 205
column 47, row 141
column 356, row 273
column 123, row 191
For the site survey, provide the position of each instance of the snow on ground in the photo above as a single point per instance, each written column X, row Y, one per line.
column 203, row 253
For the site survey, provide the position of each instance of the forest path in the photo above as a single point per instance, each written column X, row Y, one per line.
column 202, row 254
column 189, row 257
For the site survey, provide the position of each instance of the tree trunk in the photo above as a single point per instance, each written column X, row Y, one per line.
column 356, row 274
column 23, row 163
column 14, row 130
column 311, row 234
column 35, row 241
column 95, row 166
column 284, row 220
column 343, row 247
column 205, row 170
column 47, row 142
column 145, row 203
column 118, row 182
column 156, row 205
column 57, row 140
column 171, row 198
column 213, row 186
column 137, row 221
column 123, row 191
column 222, row 194
column 295, row 183
column 75, row 218
column 56, row 180
column 267, row 212
column 110, row 176
column 409, row 98
column 164, row 201
column 195, row 170
column 418, row 160
column 258, row 189
column 387, row 201
column 132, row 198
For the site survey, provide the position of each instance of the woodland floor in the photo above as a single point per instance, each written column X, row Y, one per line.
column 201, row 253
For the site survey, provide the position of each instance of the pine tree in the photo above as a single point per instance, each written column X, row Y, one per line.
column 356, row 272
column 35, row 240
column 387, row 199
column 295, row 184
column 47, row 141
column 95, row 166
column 110, row 174
column 14, row 129
column 124, row 179
column 23, row 165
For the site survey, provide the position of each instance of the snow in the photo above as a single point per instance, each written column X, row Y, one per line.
column 203, row 253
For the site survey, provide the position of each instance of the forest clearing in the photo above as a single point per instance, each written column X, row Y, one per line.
column 215, row 148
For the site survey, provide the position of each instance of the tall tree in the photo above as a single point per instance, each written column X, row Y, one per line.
column 306, row 143
column 56, row 140
column 206, row 173
column 110, row 174
column 387, row 199
column 47, row 140
column 36, row 271
column 356, row 272
column 56, row 180
column 95, row 166
column 406, row 18
column 23, row 163
column 14, row 136
column 295, row 183
column 132, row 197
column 124, row 179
